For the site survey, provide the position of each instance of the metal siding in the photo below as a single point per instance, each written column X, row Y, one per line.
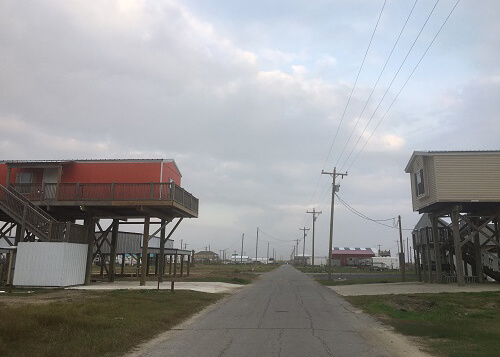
column 468, row 178
column 50, row 264
column 106, row 172
column 131, row 243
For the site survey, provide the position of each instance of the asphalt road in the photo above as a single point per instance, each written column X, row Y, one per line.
column 285, row 313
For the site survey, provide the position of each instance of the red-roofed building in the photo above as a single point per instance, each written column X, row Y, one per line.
column 353, row 256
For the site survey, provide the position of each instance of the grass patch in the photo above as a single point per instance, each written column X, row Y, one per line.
column 92, row 323
column 374, row 280
column 450, row 324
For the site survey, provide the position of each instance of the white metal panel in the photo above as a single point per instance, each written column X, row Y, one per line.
column 50, row 264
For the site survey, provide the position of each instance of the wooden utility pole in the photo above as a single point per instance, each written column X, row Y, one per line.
column 256, row 245
column 304, row 242
column 267, row 262
column 402, row 254
column 241, row 255
column 334, row 175
column 315, row 216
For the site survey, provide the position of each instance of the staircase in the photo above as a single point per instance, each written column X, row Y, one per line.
column 37, row 221
column 488, row 269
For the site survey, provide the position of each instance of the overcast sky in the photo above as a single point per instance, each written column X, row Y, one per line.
column 253, row 99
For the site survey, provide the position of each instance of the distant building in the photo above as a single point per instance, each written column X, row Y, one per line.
column 353, row 256
column 205, row 257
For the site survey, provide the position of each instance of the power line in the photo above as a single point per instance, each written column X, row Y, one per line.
column 390, row 84
column 376, row 83
column 347, row 104
column 378, row 221
column 354, row 86
column 406, row 82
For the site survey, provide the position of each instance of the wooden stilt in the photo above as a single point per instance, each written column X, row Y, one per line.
column 182, row 265
column 459, row 266
column 437, row 249
column 175, row 265
column 145, row 243
column 90, row 224
column 170, row 264
column 122, row 271
column 112, row 256
column 188, row 264
column 162, row 251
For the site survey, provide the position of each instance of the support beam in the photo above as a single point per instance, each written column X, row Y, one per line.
column 459, row 266
column 188, row 264
column 112, row 255
column 122, row 271
column 182, row 265
column 437, row 249
column 162, row 251
column 478, row 260
column 90, row 224
column 145, row 241
column 175, row 264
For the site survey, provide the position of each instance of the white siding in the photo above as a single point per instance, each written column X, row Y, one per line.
column 50, row 264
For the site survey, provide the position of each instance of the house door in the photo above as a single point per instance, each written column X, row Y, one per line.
column 49, row 180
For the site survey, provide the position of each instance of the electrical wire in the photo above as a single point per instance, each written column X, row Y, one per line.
column 354, row 86
column 347, row 105
column 404, row 85
column 376, row 83
column 390, row 84
column 378, row 221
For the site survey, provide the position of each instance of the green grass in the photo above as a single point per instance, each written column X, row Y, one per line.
column 93, row 323
column 374, row 280
column 450, row 324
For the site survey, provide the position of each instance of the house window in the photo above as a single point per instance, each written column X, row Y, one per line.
column 24, row 178
column 419, row 182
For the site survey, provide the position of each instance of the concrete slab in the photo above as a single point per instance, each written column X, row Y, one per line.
column 410, row 288
column 207, row 287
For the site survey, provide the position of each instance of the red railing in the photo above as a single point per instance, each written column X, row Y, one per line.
column 50, row 192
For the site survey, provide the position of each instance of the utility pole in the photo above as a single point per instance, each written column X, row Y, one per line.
column 256, row 245
column 379, row 245
column 334, row 175
column 267, row 262
column 241, row 255
column 304, row 242
column 315, row 216
column 402, row 254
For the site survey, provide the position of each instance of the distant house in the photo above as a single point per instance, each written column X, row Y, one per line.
column 205, row 257
column 353, row 256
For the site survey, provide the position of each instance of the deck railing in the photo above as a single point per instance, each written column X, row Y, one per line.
column 50, row 192
column 37, row 221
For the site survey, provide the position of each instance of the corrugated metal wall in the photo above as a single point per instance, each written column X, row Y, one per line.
column 131, row 243
column 50, row 264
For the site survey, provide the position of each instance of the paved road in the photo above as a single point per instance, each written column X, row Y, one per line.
column 285, row 313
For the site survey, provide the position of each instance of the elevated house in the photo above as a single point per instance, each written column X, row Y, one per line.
column 463, row 188
column 64, row 201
